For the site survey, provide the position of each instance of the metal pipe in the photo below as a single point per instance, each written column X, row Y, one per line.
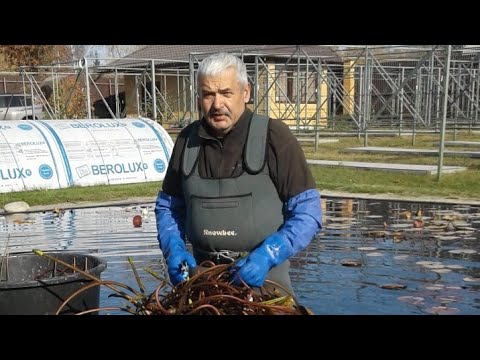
column 154, row 94
column 318, row 104
column 444, row 115
column 117, row 98
column 297, row 103
column 87, row 87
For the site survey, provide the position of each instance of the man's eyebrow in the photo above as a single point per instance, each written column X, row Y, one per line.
column 207, row 89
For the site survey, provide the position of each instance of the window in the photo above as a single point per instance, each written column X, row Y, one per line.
column 286, row 89
column 14, row 100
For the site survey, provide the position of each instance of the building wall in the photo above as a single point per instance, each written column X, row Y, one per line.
column 287, row 109
column 349, row 85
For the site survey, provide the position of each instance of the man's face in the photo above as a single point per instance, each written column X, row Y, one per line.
column 222, row 100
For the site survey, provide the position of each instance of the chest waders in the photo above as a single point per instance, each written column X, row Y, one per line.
column 231, row 216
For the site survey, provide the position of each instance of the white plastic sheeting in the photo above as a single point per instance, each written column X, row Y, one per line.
column 52, row 154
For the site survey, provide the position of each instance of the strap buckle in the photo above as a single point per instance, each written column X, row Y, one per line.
column 226, row 256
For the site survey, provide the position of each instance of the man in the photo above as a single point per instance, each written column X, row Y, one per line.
column 236, row 183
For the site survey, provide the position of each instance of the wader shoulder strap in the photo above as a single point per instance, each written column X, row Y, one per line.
column 256, row 147
column 191, row 150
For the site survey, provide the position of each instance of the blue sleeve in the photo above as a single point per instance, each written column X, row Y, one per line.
column 303, row 219
column 170, row 216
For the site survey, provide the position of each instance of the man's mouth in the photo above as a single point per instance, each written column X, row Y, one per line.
column 218, row 117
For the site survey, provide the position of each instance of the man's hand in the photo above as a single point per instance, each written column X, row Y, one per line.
column 176, row 262
column 253, row 269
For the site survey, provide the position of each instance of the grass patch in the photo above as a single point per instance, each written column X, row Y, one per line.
column 459, row 185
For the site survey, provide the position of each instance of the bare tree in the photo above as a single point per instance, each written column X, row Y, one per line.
column 119, row 51
column 78, row 51
column 33, row 55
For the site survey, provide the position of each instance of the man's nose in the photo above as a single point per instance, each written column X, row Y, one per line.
column 218, row 102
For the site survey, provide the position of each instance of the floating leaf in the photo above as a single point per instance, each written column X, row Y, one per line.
column 400, row 226
column 454, row 266
column 447, row 299
column 435, row 287
column 418, row 224
column 462, row 251
column 393, row 286
column 414, row 300
column 446, row 238
column 350, row 262
column 377, row 233
column 434, row 266
column 442, row 310
column 460, row 224
column 441, row 271
column 425, row 262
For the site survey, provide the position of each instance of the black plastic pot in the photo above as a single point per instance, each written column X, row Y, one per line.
column 34, row 285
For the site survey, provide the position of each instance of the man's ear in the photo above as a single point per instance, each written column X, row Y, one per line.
column 246, row 94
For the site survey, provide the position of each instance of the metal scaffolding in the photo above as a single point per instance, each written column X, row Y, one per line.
column 361, row 89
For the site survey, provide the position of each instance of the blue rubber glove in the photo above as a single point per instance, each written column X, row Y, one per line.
column 177, row 255
column 170, row 215
column 253, row 268
column 303, row 219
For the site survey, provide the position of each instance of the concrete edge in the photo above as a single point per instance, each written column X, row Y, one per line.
column 324, row 193
column 394, row 197
column 86, row 204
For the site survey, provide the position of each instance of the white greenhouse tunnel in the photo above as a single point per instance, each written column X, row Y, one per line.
column 53, row 154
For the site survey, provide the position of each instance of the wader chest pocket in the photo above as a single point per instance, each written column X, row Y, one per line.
column 219, row 204
column 222, row 223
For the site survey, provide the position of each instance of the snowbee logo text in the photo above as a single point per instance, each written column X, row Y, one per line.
column 219, row 232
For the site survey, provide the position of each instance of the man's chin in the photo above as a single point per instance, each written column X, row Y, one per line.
column 218, row 119
column 218, row 124
column 220, row 130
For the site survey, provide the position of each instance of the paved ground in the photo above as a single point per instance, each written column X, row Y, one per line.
column 320, row 141
column 393, row 197
column 89, row 204
column 463, row 143
column 403, row 151
column 410, row 168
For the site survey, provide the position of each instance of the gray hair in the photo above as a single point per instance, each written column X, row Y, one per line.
column 218, row 63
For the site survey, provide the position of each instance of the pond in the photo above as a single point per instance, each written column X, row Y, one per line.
column 371, row 257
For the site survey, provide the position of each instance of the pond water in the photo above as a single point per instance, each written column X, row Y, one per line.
column 371, row 257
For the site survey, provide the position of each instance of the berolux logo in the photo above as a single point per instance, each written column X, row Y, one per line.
column 14, row 173
column 219, row 232
column 105, row 169
column 96, row 125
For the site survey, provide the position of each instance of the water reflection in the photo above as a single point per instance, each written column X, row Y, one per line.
column 407, row 258
column 372, row 257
